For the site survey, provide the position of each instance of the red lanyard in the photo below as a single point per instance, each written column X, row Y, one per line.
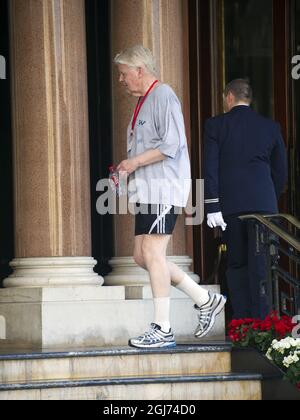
column 139, row 106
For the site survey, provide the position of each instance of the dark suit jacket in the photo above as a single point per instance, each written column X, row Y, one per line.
column 245, row 163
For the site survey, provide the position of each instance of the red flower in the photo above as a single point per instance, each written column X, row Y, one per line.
column 276, row 326
column 234, row 337
column 274, row 316
column 256, row 325
column 266, row 325
column 249, row 321
column 236, row 323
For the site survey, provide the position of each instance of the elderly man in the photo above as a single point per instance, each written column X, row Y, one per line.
column 245, row 172
column 158, row 164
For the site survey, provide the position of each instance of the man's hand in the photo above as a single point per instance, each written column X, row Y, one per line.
column 216, row 219
column 129, row 166
column 147, row 158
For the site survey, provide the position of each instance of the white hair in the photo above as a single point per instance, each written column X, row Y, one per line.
column 137, row 56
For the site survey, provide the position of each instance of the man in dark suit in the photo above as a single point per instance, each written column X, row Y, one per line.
column 245, row 172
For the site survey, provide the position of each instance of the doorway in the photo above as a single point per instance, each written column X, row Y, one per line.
column 295, row 107
column 244, row 38
column 100, row 123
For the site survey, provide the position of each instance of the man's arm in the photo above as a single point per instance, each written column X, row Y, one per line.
column 145, row 159
column 279, row 166
column 211, row 176
column 211, row 168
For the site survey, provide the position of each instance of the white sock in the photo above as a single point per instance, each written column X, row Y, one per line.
column 162, row 313
column 193, row 290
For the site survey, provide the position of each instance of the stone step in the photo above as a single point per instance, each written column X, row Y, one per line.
column 200, row 387
column 185, row 359
column 68, row 317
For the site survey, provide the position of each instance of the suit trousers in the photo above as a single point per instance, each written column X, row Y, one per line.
column 247, row 269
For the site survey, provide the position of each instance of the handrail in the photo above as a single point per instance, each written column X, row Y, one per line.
column 222, row 248
column 275, row 239
column 289, row 218
column 274, row 228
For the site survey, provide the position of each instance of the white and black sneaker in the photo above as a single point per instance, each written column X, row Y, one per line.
column 153, row 339
column 208, row 312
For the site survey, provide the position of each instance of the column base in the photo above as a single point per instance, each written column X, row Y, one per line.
column 126, row 272
column 87, row 316
column 53, row 271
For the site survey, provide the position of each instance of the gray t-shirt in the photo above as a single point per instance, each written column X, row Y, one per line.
column 160, row 125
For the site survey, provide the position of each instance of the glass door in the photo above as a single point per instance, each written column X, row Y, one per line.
column 294, row 148
column 259, row 40
column 256, row 43
column 248, row 48
column 295, row 99
column 244, row 39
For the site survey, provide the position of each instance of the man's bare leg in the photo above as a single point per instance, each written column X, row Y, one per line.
column 150, row 253
column 179, row 278
column 154, row 251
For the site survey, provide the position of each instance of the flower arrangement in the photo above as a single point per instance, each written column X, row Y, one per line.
column 260, row 333
column 286, row 354
column 271, row 336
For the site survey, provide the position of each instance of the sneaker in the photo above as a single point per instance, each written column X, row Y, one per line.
column 155, row 338
column 207, row 313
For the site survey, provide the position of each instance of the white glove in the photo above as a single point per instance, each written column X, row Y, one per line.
column 216, row 219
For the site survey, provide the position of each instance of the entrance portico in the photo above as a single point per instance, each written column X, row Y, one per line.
column 54, row 298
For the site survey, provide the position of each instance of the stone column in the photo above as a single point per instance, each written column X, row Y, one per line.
column 53, row 298
column 158, row 25
column 50, row 141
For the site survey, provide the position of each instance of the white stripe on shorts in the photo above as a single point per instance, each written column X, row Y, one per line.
column 160, row 222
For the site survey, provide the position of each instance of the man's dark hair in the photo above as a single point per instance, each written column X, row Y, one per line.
column 241, row 90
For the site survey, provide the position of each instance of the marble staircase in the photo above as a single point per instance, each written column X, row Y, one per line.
column 188, row 372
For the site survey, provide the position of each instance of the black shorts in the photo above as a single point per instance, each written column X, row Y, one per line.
column 152, row 219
